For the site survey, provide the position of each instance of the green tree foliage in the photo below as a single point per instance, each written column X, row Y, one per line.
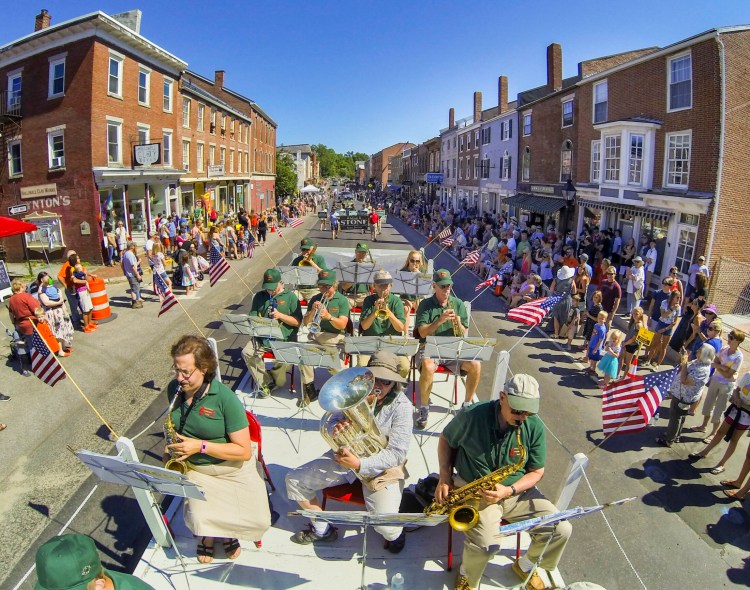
column 335, row 164
column 286, row 178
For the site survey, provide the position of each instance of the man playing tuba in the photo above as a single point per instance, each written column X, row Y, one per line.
column 481, row 439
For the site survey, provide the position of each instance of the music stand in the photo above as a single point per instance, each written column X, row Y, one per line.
column 365, row 519
column 355, row 273
column 236, row 323
column 413, row 284
column 294, row 276
column 398, row 345
column 311, row 355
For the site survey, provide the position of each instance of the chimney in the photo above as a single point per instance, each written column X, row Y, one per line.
column 219, row 78
column 554, row 67
column 502, row 94
column 477, row 106
column 451, row 118
column 42, row 20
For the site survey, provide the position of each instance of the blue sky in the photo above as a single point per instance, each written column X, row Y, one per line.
column 362, row 75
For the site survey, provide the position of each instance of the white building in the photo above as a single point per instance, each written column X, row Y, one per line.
column 302, row 157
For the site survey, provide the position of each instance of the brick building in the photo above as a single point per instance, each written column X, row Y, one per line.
column 380, row 164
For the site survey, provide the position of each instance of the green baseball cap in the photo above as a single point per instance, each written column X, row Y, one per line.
column 306, row 244
column 326, row 277
column 67, row 562
column 442, row 277
column 271, row 279
column 362, row 247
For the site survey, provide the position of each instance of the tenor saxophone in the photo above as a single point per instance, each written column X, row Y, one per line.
column 172, row 437
column 460, row 505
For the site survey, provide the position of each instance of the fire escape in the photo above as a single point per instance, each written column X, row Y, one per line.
column 10, row 128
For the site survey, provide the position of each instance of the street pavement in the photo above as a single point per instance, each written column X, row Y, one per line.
column 679, row 520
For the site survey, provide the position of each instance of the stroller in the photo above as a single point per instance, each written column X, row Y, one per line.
column 17, row 344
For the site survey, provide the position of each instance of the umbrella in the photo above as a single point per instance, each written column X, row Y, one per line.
column 12, row 227
column 310, row 189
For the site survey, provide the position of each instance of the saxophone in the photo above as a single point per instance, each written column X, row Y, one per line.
column 460, row 505
column 172, row 437
column 458, row 329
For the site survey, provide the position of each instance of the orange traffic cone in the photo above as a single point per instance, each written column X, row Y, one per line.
column 498, row 289
column 273, row 228
column 633, row 368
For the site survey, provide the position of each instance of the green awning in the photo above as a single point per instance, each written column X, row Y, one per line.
column 535, row 203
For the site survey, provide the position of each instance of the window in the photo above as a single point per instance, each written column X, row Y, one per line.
column 212, row 155
column 168, row 85
column 486, row 167
column 476, row 138
column 15, row 167
column 114, row 78
column 680, row 83
column 56, row 148
column 231, row 129
column 461, row 146
column 144, row 86
column 454, row 167
column 223, row 125
column 567, row 113
column 612, row 158
column 635, row 174
column 686, row 241
column 476, row 165
column 223, row 156
column 527, row 124
column 566, row 160
column 56, row 77
column 201, row 116
column 186, row 112
column 600, row 102
column 506, row 129
column 247, row 160
column 186, row 155
column 486, row 135
column 231, row 160
column 505, row 175
column 114, row 141
column 596, row 161
column 526, row 165
column 166, row 147
column 143, row 133
column 199, row 157
column 212, row 128
column 678, row 159
column 14, row 91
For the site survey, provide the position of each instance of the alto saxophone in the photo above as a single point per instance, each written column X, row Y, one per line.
column 172, row 437
column 458, row 329
column 460, row 505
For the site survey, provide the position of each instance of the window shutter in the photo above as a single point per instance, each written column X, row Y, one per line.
column 510, row 128
column 502, row 129
column 510, row 167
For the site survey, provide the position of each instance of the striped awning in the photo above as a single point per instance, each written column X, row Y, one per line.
column 650, row 212
column 535, row 203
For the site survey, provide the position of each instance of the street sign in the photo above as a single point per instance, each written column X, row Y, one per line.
column 433, row 178
column 17, row 209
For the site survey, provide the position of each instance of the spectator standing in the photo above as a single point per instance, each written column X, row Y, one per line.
column 652, row 256
column 611, row 294
column 697, row 268
column 121, row 235
column 22, row 307
column 80, row 280
column 669, row 311
column 636, row 280
column 65, row 276
column 131, row 270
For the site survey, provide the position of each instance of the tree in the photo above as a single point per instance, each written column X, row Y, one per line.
column 335, row 164
column 286, row 177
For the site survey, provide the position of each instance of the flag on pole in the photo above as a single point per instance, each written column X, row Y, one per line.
column 533, row 312
column 168, row 299
column 448, row 242
column 218, row 267
column 279, row 232
column 44, row 364
column 490, row 282
column 446, row 233
column 295, row 222
column 628, row 405
column 471, row 257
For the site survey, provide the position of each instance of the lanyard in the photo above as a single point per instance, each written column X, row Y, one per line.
column 196, row 398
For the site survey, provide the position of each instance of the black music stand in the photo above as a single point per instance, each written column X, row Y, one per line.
column 294, row 276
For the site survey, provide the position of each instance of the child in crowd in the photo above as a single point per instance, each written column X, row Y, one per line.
column 596, row 344
column 158, row 265
column 591, row 317
column 607, row 367
column 44, row 329
column 195, row 264
column 80, row 279
column 188, row 278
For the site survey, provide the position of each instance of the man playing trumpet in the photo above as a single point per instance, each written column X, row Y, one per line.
column 442, row 315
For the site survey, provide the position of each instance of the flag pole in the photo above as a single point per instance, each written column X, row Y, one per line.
column 596, row 446
column 189, row 316
column 83, row 395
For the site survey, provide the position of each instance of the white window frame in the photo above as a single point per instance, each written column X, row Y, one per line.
column 200, row 154
column 572, row 114
column 231, row 161
column 635, row 164
column 15, row 142
column 671, row 60
column 167, row 90
column 612, row 153
column 222, row 156
column 15, row 96
column 212, row 128
column 53, row 62
column 186, row 113
column 186, row 155
column 167, row 146
column 120, row 61
column 201, row 112
column 55, row 162
column 526, row 164
column 145, row 129
column 505, row 130
column 523, row 123
column 595, row 172
column 505, row 173
column 474, row 163
column 211, row 154
column 143, row 70
column 604, row 84
column 667, row 139
column 117, row 124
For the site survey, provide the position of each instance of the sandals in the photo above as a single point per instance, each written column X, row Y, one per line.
column 708, row 439
column 205, row 552
column 728, row 483
column 232, row 548
column 718, row 470
column 733, row 495
column 695, row 456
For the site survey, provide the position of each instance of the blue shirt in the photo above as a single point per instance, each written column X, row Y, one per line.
column 597, row 338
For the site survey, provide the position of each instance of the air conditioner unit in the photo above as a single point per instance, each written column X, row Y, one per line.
column 58, row 162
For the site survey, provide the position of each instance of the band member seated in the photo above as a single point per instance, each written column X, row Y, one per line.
column 383, row 471
column 356, row 293
column 328, row 313
column 274, row 302
column 383, row 315
column 309, row 257
column 442, row 315
column 480, row 440
column 415, row 262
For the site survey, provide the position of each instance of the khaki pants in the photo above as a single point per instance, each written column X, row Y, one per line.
column 483, row 541
column 323, row 339
column 403, row 363
column 257, row 367
column 356, row 299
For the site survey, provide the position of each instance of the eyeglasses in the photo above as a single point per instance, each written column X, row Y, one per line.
column 417, row 260
column 731, row 337
column 183, row 372
column 521, row 413
column 385, row 382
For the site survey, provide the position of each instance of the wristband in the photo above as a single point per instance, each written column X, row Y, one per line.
column 513, row 489
column 203, row 447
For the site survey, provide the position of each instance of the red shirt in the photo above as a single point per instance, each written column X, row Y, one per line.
column 22, row 306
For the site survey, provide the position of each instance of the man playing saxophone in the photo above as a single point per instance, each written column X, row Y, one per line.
column 276, row 303
column 480, row 440
column 384, row 469
column 442, row 315
column 308, row 257
column 329, row 309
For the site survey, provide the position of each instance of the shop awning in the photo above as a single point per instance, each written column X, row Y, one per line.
column 535, row 203
column 634, row 210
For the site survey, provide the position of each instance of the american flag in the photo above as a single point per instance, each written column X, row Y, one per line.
column 471, row 258
column 44, row 364
column 251, row 248
column 279, row 232
column 168, row 298
column 533, row 312
column 295, row 222
column 218, row 267
column 628, row 405
column 446, row 233
column 490, row 282
column 448, row 242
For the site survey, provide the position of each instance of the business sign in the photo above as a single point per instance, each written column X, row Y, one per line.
column 353, row 222
column 17, row 209
column 433, row 178
column 548, row 190
column 147, row 154
column 39, row 190
column 215, row 170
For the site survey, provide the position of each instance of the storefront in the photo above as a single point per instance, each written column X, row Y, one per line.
column 535, row 210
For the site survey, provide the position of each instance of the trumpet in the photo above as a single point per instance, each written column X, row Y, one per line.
column 382, row 309
column 458, row 329
column 315, row 323
column 307, row 258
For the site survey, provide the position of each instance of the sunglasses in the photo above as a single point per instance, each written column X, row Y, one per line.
column 417, row 260
column 731, row 337
column 383, row 381
column 443, row 286
column 521, row 413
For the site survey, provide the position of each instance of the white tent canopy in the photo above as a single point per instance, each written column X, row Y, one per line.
column 310, row 189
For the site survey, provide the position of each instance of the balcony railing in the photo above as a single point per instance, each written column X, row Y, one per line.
column 10, row 103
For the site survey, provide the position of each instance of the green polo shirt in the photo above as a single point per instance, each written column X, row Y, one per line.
column 429, row 310
column 359, row 287
column 382, row 327
column 127, row 581
column 317, row 259
column 287, row 303
column 481, row 447
column 214, row 416
column 337, row 306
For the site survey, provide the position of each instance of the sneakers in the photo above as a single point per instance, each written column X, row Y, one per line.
column 535, row 581
column 137, row 304
column 462, row 583
column 423, row 413
column 88, row 329
column 466, row 405
column 263, row 392
column 397, row 544
column 309, row 536
column 26, row 373
column 4, row 398
column 309, row 395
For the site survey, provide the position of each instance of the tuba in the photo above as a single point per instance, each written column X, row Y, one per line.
column 460, row 505
column 171, row 436
column 306, row 259
column 349, row 421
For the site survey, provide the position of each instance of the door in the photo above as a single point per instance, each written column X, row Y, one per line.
column 686, row 237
